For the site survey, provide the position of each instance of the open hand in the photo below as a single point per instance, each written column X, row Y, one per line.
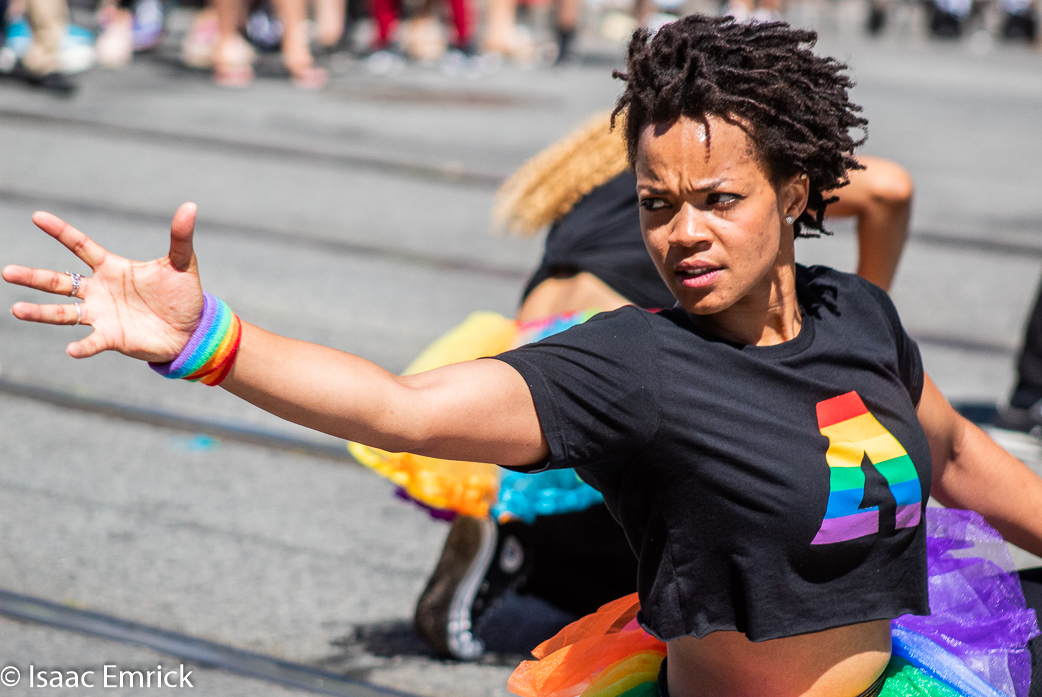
column 145, row 310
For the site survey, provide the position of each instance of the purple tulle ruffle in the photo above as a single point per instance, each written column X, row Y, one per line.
column 976, row 603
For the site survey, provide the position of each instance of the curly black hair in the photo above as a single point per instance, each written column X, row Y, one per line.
column 763, row 77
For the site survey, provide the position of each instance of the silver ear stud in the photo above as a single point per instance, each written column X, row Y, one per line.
column 789, row 220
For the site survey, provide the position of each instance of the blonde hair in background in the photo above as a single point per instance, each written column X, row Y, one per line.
column 548, row 185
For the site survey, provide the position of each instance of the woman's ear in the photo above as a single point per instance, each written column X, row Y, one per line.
column 794, row 196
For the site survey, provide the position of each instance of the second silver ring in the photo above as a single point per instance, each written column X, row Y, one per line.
column 77, row 280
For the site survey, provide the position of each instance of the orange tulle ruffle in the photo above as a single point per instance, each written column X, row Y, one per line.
column 605, row 654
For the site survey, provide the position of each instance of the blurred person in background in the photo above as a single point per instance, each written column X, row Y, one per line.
column 502, row 34
column 128, row 26
column 215, row 40
column 41, row 65
column 1024, row 410
column 423, row 39
column 519, row 532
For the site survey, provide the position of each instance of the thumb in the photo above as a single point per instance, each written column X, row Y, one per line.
column 181, row 230
column 89, row 346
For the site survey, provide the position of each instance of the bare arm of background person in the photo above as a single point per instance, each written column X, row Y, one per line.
column 971, row 471
column 880, row 196
column 480, row 411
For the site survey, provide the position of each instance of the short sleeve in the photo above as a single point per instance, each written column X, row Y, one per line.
column 595, row 389
column 909, row 360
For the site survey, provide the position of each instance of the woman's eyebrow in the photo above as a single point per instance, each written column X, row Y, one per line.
column 712, row 184
column 706, row 186
column 654, row 191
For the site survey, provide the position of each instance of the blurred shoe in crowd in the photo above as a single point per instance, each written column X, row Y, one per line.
column 55, row 81
column 115, row 45
column 233, row 63
column 876, row 19
column 386, row 61
column 947, row 17
column 75, row 50
column 147, row 28
column 200, row 43
column 264, row 30
column 515, row 44
column 424, row 39
column 298, row 60
column 1019, row 22
column 1024, row 411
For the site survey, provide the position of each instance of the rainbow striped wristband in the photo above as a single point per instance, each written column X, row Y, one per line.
column 209, row 354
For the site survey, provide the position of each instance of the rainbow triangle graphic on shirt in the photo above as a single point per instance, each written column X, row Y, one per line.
column 853, row 433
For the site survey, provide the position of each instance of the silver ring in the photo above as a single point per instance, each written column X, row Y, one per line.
column 79, row 314
column 77, row 279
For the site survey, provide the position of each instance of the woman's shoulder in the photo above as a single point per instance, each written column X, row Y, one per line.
column 824, row 289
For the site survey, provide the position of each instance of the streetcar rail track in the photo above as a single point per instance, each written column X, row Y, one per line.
column 153, row 416
column 202, row 652
column 449, row 173
column 255, row 233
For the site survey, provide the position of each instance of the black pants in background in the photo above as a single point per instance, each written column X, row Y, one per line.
column 1029, row 365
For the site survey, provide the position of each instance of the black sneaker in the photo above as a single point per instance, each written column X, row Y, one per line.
column 480, row 562
column 876, row 20
column 945, row 25
column 1019, row 27
column 56, row 83
column 1028, row 420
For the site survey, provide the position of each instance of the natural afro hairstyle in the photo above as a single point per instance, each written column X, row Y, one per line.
column 762, row 77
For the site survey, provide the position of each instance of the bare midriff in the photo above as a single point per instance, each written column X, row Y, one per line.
column 558, row 296
column 841, row 662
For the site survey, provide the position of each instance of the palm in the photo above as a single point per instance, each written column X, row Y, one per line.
column 146, row 310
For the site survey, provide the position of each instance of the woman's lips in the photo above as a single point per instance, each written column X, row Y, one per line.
column 698, row 277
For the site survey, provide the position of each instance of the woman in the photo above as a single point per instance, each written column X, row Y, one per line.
column 594, row 260
column 725, row 434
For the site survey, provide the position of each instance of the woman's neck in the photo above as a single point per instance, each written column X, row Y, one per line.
column 766, row 316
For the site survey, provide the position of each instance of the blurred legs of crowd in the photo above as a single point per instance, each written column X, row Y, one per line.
column 1015, row 20
column 44, row 49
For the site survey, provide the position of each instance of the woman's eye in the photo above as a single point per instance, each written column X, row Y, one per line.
column 652, row 204
column 721, row 199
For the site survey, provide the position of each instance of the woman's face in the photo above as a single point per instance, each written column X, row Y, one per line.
column 710, row 217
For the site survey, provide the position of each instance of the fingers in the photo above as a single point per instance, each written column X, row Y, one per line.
column 50, row 314
column 85, row 348
column 181, row 230
column 79, row 244
column 42, row 279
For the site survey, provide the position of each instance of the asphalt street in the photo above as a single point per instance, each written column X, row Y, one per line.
column 358, row 217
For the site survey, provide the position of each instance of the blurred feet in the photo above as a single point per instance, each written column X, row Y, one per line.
column 233, row 62
column 199, row 46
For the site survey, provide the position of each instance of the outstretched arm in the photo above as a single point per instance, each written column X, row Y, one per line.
column 479, row 411
column 971, row 471
column 880, row 196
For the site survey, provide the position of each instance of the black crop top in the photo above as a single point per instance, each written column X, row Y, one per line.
column 773, row 490
column 601, row 235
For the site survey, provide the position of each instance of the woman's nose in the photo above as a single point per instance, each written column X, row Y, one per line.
column 689, row 228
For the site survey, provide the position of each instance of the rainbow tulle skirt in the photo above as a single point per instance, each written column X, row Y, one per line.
column 973, row 644
column 447, row 487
